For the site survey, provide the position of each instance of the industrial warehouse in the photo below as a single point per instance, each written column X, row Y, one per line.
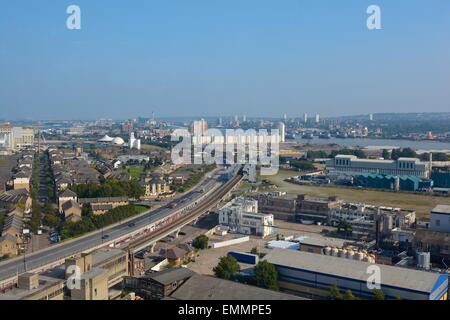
column 313, row 274
column 352, row 165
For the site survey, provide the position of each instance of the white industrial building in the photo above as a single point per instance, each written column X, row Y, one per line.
column 241, row 216
column 352, row 166
column 440, row 219
column 314, row 274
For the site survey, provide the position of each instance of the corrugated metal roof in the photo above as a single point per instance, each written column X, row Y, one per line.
column 170, row 275
column 352, row 269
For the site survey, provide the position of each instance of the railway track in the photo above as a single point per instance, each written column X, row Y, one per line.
column 195, row 213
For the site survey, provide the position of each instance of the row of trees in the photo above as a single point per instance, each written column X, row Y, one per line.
column 410, row 153
column 321, row 154
column 302, row 165
column 353, row 152
column 336, row 294
column 166, row 142
column 90, row 222
column 109, row 188
column 36, row 213
column 50, row 178
column 401, row 153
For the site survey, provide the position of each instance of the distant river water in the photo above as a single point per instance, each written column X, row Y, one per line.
column 420, row 146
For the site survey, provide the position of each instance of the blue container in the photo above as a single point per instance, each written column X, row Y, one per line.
column 244, row 257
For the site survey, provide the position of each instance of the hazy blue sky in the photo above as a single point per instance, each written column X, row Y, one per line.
column 222, row 57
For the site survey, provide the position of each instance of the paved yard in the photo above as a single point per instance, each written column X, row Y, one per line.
column 206, row 260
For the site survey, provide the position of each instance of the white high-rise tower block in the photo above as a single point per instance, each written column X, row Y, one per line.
column 134, row 143
column 282, row 131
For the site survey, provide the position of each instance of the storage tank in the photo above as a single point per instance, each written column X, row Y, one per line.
column 343, row 253
column 371, row 258
column 327, row 251
column 334, row 252
column 390, row 222
column 350, row 254
column 359, row 256
column 423, row 260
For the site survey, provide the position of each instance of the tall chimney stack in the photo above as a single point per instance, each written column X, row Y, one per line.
column 431, row 163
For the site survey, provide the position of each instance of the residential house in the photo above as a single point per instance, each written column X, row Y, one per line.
column 102, row 205
column 162, row 284
column 8, row 246
column 65, row 196
column 71, row 210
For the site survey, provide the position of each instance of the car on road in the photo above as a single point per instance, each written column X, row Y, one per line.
column 106, row 236
column 131, row 224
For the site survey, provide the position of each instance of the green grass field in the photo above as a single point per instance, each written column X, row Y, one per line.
column 149, row 147
column 420, row 202
column 135, row 171
column 140, row 209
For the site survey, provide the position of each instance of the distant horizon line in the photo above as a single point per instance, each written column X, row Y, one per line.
column 311, row 115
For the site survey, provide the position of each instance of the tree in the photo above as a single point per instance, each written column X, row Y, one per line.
column 266, row 275
column 378, row 294
column 335, row 293
column 355, row 152
column 201, row 242
column 344, row 227
column 36, row 216
column 386, row 155
column 311, row 155
column 254, row 250
column 51, row 220
column 302, row 165
column 349, row 295
column 403, row 153
column 437, row 156
column 227, row 268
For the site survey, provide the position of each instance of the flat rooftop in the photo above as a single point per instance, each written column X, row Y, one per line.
column 322, row 242
column 102, row 255
column 95, row 272
column 354, row 270
column 19, row 294
column 200, row 287
column 444, row 209
column 170, row 275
